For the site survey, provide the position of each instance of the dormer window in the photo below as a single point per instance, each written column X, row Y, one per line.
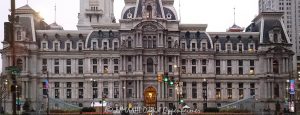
column 240, row 48
column 94, row 45
column 149, row 11
column 56, row 46
column 217, row 47
column 251, row 47
column 228, row 47
column 169, row 42
column 80, row 46
column 193, row 46
column 183, row 46
column 203, row 46
column 44, row 45
column 19, row 35
column 129, row 42
column 68, row 46
column 105, row 46
column 116, row 45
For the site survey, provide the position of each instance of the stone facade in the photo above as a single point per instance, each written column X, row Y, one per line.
column 120, row 61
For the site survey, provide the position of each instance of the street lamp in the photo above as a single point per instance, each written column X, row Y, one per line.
column 93, row 83
column 204, row 94
column 178, row 87
column 48, row 103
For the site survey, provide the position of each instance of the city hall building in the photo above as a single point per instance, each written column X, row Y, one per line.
column 124, row 62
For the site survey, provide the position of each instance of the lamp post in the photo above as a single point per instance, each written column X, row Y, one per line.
column 179, row 85
column 48, row 103
column 93, row 83
column 204, row 94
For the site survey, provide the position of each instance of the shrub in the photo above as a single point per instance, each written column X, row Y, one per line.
column 211, row 109
column 88, row 109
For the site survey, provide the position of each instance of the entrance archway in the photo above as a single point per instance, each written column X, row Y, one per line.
column 150, row 97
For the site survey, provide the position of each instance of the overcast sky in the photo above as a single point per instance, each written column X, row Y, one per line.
column 218, row 14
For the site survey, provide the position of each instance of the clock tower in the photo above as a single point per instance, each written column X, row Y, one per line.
column 95, row 13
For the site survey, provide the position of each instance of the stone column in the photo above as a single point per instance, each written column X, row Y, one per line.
column 27, row 64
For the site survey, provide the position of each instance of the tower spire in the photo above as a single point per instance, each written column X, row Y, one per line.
column 55, row 12
column 179, row 11
column 234, row 15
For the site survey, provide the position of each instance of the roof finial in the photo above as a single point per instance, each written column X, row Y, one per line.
column 179, row 12
column 27, row 2
column 55, row 12
column 234, row 15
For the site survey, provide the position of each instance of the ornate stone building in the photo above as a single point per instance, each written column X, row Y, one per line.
column 121, row 61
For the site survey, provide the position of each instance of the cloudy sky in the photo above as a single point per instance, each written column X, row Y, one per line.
column 218, row 14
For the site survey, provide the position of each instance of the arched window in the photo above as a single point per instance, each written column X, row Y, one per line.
column 20, row 64
column 149, row 65
column 276, row 38
column 149, row 42
column 145, row 42
column 275, row 66
column 149, row 11
column 19, row 35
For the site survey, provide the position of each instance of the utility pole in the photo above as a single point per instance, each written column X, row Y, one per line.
column 12, row 45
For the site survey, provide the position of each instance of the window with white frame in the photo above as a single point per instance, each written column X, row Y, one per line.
column 252, row 64
column 193, row 46
column 240, row 47
column 194, row 66
column 80, row 46
column 228, row 47
column 229, row 68
column 116, row 89
column 19, row 35
column 69, row 65
column 116, row 45
column 251, row 47
column 105, row 45
column 183, row 66
column 105, row 65
column 203, row 46
column 56, row 66
column 68, row 46
column 95, row 65
column 56, row 46
column 116, row 65
column 94, row 45
column 241, row 68
column 204, row 66
column 44, row 64
column 183, row 46
column 218, row 67
column 80, row 66
column 217, row 47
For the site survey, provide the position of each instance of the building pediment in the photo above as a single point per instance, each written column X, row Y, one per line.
column 149, row 26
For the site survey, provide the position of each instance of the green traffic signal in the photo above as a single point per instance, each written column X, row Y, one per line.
column 165, row 79
column 181, row 100
column 171, row 83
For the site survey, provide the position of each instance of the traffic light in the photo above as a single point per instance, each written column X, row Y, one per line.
column 180, row 100
column 166, row 77
column 171, row 81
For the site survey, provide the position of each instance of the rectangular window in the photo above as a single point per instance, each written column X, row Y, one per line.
column 129, row 93
column 183, row 69
column 193, row 47
column 44, row 61
column 55, row 46
column 104, row 45
column 56, row 93
column 251, row 70
column 183, row 46
column 228, row 62
column 68, row 61
column 116, row 92
column 116, row 61
column 94, row 45
column 69, row 94
column 251, row 62
column 218, row 85
column 194, row 70
column 217, row 62
column 241, row 93
column 203, row 69
column 218, row 94
column 56, row 61
column 229, row 70
column 116, row 69
column 194, row 93
column 80, row 84
column 80, row 70
column 80, row 61
column 218, row 71
column 44, row 45
column 116, row 45
column 69, row 84
column 241, row 71
column 68, row 69
column 80, row 93
column 94, row 69
column 56, row 69
column 252, row 92
column 95, row 92
column 56, row 84
column 171, row 93
column 240, row 48
column 170, row 68
column 170, row 59
column 229, row 93
column 240, row 62
column 105, row 69
column 203, row 62
column 217, row 47
column 183, row 62
column 203, row 46
column 229, row 85
column 129, row 68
